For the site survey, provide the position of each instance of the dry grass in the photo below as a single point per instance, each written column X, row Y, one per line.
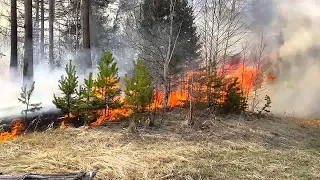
column 229, row 149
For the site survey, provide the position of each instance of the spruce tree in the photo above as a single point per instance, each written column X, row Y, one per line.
column 67, row 85
column 139, row 87
column 25, row 97
column 107, row 83
column 156, row 13
column 234, row 99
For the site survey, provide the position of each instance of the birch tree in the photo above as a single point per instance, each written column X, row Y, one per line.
column 222, row 29
column 165, row 36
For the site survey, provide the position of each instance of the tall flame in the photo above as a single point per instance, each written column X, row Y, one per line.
column 16, row 127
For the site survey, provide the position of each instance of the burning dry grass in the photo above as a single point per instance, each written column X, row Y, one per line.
column 229, row 149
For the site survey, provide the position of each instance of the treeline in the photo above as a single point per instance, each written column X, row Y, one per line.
column 171, row 37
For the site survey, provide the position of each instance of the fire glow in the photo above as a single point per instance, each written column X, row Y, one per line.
column 179, row 95
column 247, row 78
column 16, row 127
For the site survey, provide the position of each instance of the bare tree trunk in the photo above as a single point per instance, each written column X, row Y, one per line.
column 191, row 121
column 28, row 42
column 166, row 87
column 205, row 41
column 168, row 59
column 42, row 32
column 36, row 30
column 258, row 63
column 14, row 39
column 51, row 20
column 86, row 31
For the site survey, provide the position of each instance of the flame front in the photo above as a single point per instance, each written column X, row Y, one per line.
column 248, row 77
column 16, row 127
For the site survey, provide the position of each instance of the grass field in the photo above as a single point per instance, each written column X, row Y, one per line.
column 228, row 148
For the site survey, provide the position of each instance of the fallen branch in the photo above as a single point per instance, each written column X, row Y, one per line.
column 72, row 176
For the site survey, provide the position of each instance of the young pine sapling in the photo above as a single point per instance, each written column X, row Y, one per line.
column 139, row 89
column 25, row 97
column 266, row 107
column 88, row 102
column 67, row 85
column 106, row 86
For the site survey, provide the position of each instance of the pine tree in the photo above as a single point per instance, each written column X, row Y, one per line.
column 88, row 102
column 25, row 97
column 67, row 85
column 139, row 87
column 107, row 82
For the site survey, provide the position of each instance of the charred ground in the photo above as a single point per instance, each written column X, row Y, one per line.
column 230, row 147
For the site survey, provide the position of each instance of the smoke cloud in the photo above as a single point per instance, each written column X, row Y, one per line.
column 297, row 67
column 46, row 84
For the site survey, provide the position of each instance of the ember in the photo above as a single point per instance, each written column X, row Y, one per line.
column 16, row 127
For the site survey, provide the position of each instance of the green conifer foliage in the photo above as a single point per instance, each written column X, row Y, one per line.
column 138, row 87
column 155, row 14
column 88, row 102
column 25, row 97
column 67, row 85
column 234, row 100
column 107, row 83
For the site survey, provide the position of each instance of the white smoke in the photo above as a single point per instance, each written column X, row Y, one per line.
column 46, row 84
column 296, row 89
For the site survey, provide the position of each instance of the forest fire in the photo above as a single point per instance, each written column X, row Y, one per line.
column 247, row 78
column 16, row 127
column 110, row 114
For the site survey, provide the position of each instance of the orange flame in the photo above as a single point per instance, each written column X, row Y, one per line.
column 16, row 127
column 111, row 114
column 248, row 77
column 63, row 118
column 271, row 77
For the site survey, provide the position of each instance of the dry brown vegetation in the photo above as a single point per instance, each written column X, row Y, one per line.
column 228, row 148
